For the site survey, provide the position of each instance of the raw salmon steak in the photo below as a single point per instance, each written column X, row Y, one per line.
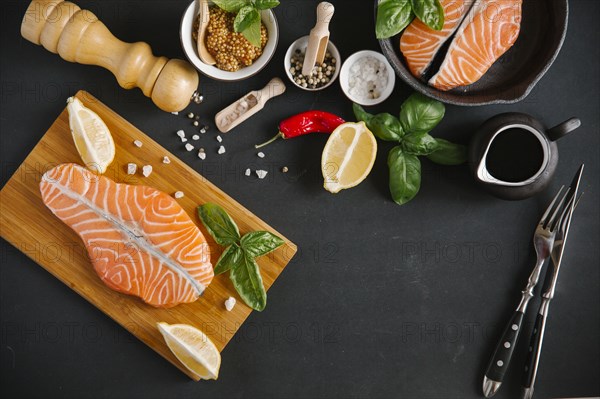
column 489, row 30
column 419, row 43
column 140, row 241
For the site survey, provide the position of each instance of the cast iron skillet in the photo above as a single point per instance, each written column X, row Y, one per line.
column 513, row 76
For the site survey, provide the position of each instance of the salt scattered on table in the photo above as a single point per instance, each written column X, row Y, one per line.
column 147, row 170
column 219, row 139
column 367, row 79
column 137, row 143
column 230, row 303
column 248, row 172
column 221, row 150
column 261, row 173
column 189, row 147
column 166, row 160
column 202, row 154
column 261, row 154
column 178, row 194
column 175, row 113
column 181, row 133
column 131, row 168
column 195, row 137
column 183, row 139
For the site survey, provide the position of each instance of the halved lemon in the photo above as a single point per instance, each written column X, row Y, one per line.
column 91, row 136
column 348, row 156
column 193, row 348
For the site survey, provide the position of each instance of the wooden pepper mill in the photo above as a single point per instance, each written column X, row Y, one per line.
column 78, row 36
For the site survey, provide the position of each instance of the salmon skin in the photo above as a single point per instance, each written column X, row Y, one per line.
column 419, row 43
column 489, row 30
column 140, row 241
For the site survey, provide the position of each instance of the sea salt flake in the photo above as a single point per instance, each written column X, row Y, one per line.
column 221, row 150
column 189, row 147
column 166, row 160
column 181, row 133
column 131, row 168
column 219, row 139
column 261, row 154
column 202, row 155
column 147, row 170
column 261, row 173
column 195, row 137
column 178, row 194
column 175, row 113
column 137, row 143
column 230, row 303
column 248, row 172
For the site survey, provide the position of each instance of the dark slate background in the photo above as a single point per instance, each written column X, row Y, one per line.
column 381, row 300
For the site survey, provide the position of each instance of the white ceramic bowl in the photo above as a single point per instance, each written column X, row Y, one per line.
column 345, row 76
column 191, row 51
column 301, row 44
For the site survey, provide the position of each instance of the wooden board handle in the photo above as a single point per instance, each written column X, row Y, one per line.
column 78, row 36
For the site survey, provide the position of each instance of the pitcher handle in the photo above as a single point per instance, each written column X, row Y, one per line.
column 563, row 129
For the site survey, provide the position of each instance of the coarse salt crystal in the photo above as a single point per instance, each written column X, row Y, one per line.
column 131, row 168
column 221, row 150
column 195, row 137
column 181, row 133
column 166, row 160
column 147, row 170
column 137, row 143
column 219, row 139
column 175, row 113
column 178, row 194
column 261, row 154
column 202, row 155
column 189, row 147
column 368, row 78
column 183, row 139
column 261, row 174
column 230, row 303
column 248, row 172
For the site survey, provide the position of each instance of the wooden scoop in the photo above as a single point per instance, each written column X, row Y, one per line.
column 318, row 38
column 204, row 16
column 248, row 105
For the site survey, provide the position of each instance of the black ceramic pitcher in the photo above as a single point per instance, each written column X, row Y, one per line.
column 513, row 156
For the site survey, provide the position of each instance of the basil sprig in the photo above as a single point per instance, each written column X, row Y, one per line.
column 247, row 20
column 418, row 116
column 395, row 15
column 239, row 255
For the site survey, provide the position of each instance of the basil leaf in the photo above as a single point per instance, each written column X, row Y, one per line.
column 266, row 4
column 231, row 5
column 245, row 17
column 420, row 114
column 219, row 224
column 229, row 259
column 252, row 32
column 448, row 153
column 384, row 126
column 430, row 12
column 419, row 144
column 405, row 175
column 259, row 243
column 248, row 282
column 392, row 17
column 361, row 114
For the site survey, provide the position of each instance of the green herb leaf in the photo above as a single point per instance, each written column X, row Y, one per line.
column 252, row 32
column 430, row 12
column 248, row 282
column 219, row 224
column 448, row 153
column 231, row 5
column 384, row 126
column 245, row 17
column 361, row 114
column 405, row 175
column 259, row 243
column 266, row 4
column 229, row 259
column 392, row 17
column 419, row 144
column 420, row 114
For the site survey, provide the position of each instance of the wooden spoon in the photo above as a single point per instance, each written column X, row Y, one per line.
column 318, row 38
column 205, row 56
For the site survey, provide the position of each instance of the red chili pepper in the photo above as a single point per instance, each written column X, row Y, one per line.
column 304, row 123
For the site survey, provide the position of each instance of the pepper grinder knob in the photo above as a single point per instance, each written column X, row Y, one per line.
column 77, row 35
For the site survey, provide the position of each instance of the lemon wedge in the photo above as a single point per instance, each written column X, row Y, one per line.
column 193, row 348
column 91, row 136
column 348, row 156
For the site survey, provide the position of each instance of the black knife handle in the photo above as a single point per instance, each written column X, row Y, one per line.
column 505, row 348
column 534, row 351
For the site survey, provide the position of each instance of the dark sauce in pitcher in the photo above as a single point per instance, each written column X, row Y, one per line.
column 515, row 155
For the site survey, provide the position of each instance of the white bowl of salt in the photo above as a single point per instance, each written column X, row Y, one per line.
column 367, row 78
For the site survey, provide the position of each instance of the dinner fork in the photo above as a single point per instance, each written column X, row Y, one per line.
column 543, row 240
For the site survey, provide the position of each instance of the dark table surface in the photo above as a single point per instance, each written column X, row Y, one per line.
column 381, row 300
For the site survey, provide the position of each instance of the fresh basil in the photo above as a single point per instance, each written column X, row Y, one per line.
column 248, row 282
column 231, row 5
column 259, row 243
column 392, row 17
column 239, row 256
column 219, row 224
column 420, row 114
column 266, row 4
column 229, row 258
column 419, row 144
column 384, row 126
column 405, row 175
column 430, row 12
column 448, row 153
column 245, row 17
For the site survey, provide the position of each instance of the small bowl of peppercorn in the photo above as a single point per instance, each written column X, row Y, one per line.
column 323, row 74
column 236, row 58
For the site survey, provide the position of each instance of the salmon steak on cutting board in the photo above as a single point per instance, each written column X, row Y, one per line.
column 139, row 240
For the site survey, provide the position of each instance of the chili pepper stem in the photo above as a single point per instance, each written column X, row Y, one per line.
column 278, row 135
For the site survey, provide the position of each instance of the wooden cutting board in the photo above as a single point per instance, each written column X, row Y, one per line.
column 27, row 224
